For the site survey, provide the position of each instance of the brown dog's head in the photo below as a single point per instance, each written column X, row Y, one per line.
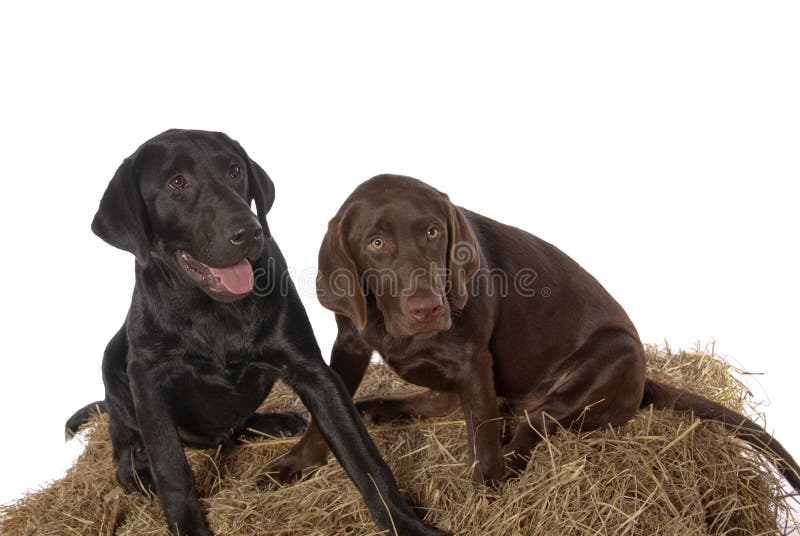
column 405, row 244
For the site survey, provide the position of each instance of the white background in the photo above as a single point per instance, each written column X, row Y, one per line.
column 657, row 144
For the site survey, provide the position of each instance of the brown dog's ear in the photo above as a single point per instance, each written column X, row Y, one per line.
column 121, row 219
column 338, row 282
column 463, row 254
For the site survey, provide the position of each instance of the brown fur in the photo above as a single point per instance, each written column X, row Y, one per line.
column 552, row 340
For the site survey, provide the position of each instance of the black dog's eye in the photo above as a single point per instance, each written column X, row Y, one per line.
column 177, row 182
column 235, row 172
column 433, row 232
column 376, row 244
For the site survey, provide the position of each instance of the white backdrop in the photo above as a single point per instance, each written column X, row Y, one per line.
column 658, row 145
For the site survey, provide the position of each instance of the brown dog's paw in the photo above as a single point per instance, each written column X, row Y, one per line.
column 490, row 477
column 284, row 470
column 515, row 464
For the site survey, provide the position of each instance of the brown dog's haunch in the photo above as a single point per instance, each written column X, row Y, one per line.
column 475, row 310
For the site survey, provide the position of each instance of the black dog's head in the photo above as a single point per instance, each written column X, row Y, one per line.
column 184, row 198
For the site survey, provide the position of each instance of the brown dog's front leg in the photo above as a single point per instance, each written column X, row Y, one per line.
column 349, row 359
column 479, row 401
column 426, row 404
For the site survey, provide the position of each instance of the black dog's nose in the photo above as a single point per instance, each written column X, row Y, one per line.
column 423, row 308
column 243, row 235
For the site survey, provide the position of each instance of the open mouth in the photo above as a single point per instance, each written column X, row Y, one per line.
column 235, row 280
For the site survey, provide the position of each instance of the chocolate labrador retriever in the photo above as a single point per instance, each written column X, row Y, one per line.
column 448, row 298
column 213, row 321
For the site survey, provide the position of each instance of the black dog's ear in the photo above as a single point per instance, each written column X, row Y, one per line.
column 121, row 219
column 338, row 282
column 463, row 253
column 260, row 188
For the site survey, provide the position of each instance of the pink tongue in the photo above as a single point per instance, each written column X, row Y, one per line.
column 237, row 279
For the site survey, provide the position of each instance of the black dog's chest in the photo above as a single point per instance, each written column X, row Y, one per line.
column 213, row 365
column 211, row 398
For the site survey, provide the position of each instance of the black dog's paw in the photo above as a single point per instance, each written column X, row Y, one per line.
column 194, row 529
column 135, row 478
column 291, row 423
column 411, row 525
column 286, row 424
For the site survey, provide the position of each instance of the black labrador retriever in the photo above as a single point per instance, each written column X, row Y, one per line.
column 213, row 321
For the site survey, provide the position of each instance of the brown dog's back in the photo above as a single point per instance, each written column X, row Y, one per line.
column 550, row 308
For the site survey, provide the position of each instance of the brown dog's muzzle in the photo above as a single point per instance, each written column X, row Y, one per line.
column 425, row 311
column 424, row 307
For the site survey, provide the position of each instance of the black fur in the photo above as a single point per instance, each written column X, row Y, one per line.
column 190, row 365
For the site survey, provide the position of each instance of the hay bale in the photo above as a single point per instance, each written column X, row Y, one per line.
column 662, row 473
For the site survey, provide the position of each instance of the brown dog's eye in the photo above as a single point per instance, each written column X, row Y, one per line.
column 235, row 172
column 376, row 244
column 177, row 182
column 433, row 232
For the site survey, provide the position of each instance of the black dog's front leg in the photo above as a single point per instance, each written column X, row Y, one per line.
column 294, row 353
column 169, row 469
column 326, row 397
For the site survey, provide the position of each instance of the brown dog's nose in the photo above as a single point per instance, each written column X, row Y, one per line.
column 425, row 307
column 243, row 235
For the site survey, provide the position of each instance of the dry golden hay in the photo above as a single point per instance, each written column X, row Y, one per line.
column 662, row 473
